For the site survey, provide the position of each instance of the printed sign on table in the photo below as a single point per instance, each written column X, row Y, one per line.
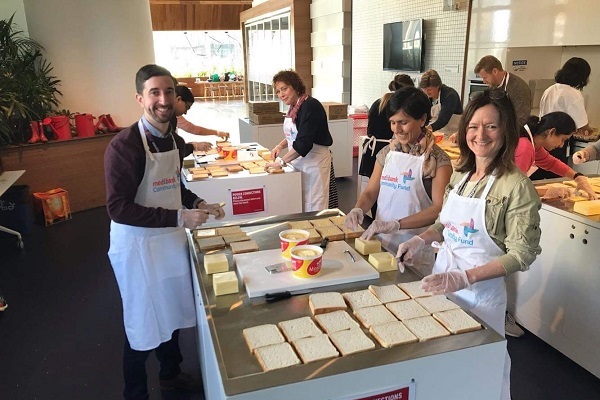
column 248, row 201
column 401, row 392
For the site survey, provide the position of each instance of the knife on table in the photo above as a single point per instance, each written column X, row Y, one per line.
column 272, row 297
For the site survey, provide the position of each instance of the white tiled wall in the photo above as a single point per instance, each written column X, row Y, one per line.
column 445, row 43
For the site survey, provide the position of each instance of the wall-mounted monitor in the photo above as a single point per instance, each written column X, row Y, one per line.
column 404, row 46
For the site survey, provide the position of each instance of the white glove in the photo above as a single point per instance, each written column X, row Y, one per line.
column 193, row 218
column 408, row 250
column 214, row 209
column 354, row 218
column 581, row 156
column 446, row 282
column 378, row 226
column 556, row 193
column 584, row 185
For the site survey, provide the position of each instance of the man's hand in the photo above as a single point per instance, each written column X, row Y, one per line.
column 193, row 218
column 581, row 156
column 223, row 135
column 201, row 146
column 215, row 209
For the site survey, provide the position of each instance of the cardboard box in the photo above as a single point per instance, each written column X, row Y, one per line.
column 336, row 110
column 263, row 107
column 262, row 119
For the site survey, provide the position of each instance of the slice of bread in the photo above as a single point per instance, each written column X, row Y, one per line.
column 313, row 236
column 360, row 299
column 236, row 237
column 369, row 316
column 276, row 356
column 457, row 321
column 262, row 335
column 351, row 341
column 321, row 303
column 300, row 225
column 338, row 220
column 318, row 223
column 349, row 233
column 392, row 334
column 437, row 303
column 229, row 230
column 388, row 293
column 299, row 328
column 413, row 289
column 205, row 233
column 426, row 328
column 315, row 348
column 211, row 243
column 331, row 232
column 407, row 309
column 336, row 321
column 244, row 247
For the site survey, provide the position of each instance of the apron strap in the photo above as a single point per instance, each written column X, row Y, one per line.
column 370, row 144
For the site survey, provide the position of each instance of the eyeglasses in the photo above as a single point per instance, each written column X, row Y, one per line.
column 494, row 94
column 188, row 105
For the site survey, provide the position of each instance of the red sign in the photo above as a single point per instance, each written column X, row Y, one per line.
column 396, row 394
column 248, row 201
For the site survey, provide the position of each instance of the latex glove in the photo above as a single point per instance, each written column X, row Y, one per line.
column 584, row 185
column 214, row 209
column 378, row 226
column 223, row 135
column 354, row 218
column 408, row 250
column 581, row 156
column 453, row 138
column 201, row 146
column 193, row 218
column 446, row 282
column 556, row 193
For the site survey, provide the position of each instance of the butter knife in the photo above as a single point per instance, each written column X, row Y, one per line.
column 272, row 297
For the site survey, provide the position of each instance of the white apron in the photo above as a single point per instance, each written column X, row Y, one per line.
column 314, row 167
column 436, row 107
column 533, row 167
column 152, row 265
column 452, row 125
column 402, row 193
column 467, row 245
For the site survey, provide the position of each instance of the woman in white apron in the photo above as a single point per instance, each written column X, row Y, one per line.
column 489, row 224
column 446, row 106
column 541, row 135
column 307, row 139
column 408, row 179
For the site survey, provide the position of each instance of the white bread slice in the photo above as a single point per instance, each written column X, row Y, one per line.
column 318, row 223
column 457, row 321
column 437, row 303
column 426, row 328
column 331, row 232
column 349, row 233
column 388, row 293
column 361, row 298
column 351, row 341
column 336, row 321
column 413, row 289
column 339, row 220
column 300, row 225
column 205, row 233
column 276, row 356
column 298, row 328
column 262, row 335
column 392, row 334
column 407, row 309
column 321, row 303
column 369, row 316
column 315, row 348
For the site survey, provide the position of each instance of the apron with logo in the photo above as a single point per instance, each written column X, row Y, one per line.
column 467, row 245
column 315, row 169
column 152, row 265
column 402, row 193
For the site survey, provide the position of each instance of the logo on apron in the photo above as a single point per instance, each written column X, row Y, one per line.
column 394, row 181
column 468, row 229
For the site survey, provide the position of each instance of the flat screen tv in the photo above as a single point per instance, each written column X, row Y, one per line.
column 403, row 46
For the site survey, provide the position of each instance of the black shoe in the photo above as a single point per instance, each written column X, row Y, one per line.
column 182, row 381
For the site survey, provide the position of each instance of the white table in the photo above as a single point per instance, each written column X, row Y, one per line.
column 7, row 178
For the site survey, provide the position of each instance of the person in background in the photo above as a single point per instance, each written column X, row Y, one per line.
column 378, row 128
column 590, row 153
column 307, row 140
column 149, row 209
column 408, row 179
column 565, row 95
column 489, row 226
column 445, row 102
column 184, row 101
column 538, row 137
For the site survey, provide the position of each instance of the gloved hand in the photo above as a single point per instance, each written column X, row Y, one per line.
column 201, row 146
column 584, row 184
column 408, row 250
column 581, row 156
column 354, row 218
column 446, row 282
column 193, row 218
column 215, row 209
column 378, row 226
column 556, row 193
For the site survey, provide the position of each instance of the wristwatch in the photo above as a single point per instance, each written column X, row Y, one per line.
column 282, row 163
column 577, row 175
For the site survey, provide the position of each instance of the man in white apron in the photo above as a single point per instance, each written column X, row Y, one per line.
column 148, row 245
column 446, row 107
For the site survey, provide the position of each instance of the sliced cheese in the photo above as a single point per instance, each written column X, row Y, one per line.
column 225, row 283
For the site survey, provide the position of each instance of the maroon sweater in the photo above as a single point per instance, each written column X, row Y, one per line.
column 124, row 165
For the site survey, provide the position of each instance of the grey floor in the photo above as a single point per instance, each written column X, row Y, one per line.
column 62, row 334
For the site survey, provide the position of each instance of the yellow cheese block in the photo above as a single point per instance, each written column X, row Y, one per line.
column 383, row 261
column 590, row 207
column 214, row 263
column 225, row 283
column 366, row 247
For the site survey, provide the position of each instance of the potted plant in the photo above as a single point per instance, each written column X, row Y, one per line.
column 29, row 91
column 203, row 75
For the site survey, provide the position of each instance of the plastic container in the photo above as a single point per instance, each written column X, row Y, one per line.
column 359, row 128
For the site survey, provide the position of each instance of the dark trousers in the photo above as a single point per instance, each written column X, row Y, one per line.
column 134, row 366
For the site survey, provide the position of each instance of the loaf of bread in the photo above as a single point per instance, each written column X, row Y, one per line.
column 214, row 263
column 437, row 303
column 407, row 309
column 262, row 335
column 351, row 341
column 336, row 321
column 413, row 289
column 276, row 356
column 321, row 303
column 392, row 334
column 366, row 247
column 315, row 348
column 369, row 316
column 361, row 298
column 457, row 321
column 388, row 293
column 426, row 328
column 299, row 328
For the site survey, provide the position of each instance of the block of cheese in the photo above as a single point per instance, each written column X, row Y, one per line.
column 338, row 220
column 426, row 328
column 225, row 283
column 457, row 321
column 313, row 236
column 317, row 223
column 369, row 316
column 300, row 225
column 331, row 232
column 366, row 247
column 361, row 298
column 351, row 341
column 437, row 303
column 590, row 207
column 383, row 261
column 214, row 263
column 336, row 321
column 315, row 348
column 299, row 328
column 392, row 334
column 388, row 293
column 325, row 302
column 228, row 230
column 211, row 243
column 407, row 309
column 349, row 233
column 244, row 247
column 276, row 356
column 413, row 289
column 262, row 335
